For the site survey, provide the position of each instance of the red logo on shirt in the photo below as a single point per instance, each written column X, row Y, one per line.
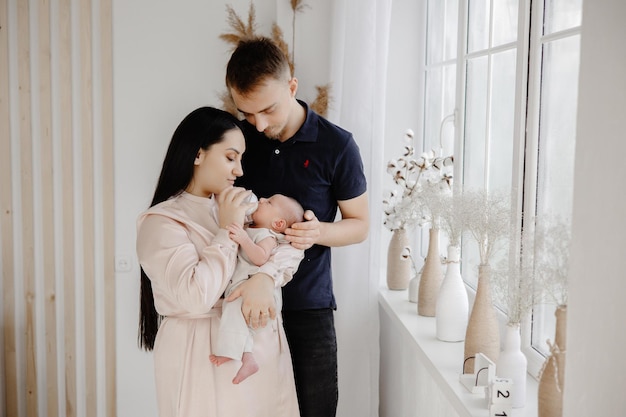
column 306, row 163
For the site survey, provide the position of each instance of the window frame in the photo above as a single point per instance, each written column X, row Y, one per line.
column 526, row 120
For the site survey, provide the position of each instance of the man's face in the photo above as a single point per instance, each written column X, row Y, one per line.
column 267, row 107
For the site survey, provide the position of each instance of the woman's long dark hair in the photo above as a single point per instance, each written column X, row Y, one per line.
column 202, row 128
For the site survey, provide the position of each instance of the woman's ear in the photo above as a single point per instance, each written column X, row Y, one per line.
column 199, row 157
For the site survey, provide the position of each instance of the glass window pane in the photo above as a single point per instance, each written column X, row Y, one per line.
column 555, row 170
column 432, row 106
column 440, row 102
column 478, row 25
column 474, row 160
column 502, row 121
column 434, row 43
column 451, row 28
column 561, row 15
column 558, row 127
column 505, row 21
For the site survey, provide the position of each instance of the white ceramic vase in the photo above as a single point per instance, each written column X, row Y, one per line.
column 512, row 364
column 452, row 310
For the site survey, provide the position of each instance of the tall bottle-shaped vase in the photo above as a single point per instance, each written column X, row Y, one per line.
column 550, row 390
column 452, row 304
column 398, row 267
column 432, row 276
column 512, row 364
column 483, row 333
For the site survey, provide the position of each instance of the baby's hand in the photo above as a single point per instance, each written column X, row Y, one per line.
column 236, row 233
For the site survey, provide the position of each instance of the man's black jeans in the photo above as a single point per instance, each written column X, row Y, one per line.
column 313, row 344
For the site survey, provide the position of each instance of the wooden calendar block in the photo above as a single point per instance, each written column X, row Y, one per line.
column 500, row 391
column 500, row 410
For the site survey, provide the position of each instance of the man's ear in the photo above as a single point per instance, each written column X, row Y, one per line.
column 293, row 86
column 279, row 225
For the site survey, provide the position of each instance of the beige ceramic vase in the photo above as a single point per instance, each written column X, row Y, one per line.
column 432, row 276
column 550, row 390
column 483, row 332
column 398, row 268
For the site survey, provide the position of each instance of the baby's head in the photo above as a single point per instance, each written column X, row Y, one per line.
column 277, row 213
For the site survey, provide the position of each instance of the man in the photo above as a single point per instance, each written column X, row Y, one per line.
column 293, row 151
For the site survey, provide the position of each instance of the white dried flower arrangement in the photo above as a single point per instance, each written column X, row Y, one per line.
column 552, row 251
column 540, row 274
column 487, row 217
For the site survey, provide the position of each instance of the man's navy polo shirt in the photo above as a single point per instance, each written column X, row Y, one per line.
column 318, row 166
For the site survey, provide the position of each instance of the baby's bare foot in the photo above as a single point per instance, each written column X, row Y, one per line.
column 218, row 360
column 248, row 367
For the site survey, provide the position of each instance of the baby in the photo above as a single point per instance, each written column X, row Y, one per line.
column 256, row 242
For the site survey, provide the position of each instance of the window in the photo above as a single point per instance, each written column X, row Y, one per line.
column 507, row 72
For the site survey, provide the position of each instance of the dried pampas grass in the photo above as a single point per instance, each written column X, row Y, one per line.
column 241, row 30
column 322, row 101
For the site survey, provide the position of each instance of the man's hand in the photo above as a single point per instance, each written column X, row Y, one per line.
column 258, row 306
column 305, row 234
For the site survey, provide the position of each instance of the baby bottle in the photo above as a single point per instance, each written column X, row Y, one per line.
column 252, row 198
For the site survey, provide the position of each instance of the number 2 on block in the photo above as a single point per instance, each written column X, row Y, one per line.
column 502, row 415
column 502, row 394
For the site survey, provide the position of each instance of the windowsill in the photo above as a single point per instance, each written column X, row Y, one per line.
column 443, row 359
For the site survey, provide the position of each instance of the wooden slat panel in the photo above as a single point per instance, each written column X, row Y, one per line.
column 87, row 174
column 8, row 267
column 106, row 35
column 47, row 207
column 27, row 210
column 67, row 167
column 37, row 197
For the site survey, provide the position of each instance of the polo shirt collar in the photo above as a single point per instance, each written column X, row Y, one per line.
column 308, row 131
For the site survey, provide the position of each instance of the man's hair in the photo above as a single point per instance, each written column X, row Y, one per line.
column 252, row 62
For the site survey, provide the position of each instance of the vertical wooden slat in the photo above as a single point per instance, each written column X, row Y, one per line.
column 27, row 210
column 47, row 212
column 8, row 267
column 67, row 166
column 34, row 99
column 87, row 174
column 106, row 36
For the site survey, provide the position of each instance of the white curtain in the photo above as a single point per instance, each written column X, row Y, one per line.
column 359, row 40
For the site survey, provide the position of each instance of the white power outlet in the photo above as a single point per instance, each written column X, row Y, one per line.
column 123, row 263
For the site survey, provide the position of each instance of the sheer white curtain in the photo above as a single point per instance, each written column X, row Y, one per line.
column 359, row 42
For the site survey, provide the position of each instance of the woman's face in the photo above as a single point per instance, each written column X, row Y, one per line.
column 216, row 168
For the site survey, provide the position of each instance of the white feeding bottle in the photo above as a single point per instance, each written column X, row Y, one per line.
column 252, row 198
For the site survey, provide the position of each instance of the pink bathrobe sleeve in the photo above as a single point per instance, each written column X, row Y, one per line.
column 185, row 278
column 189, row 260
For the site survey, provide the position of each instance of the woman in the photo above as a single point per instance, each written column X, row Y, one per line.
column 187, row 260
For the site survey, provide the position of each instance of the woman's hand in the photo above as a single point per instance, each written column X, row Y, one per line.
column 232, row 209
column 259, row 305
column 306, row 234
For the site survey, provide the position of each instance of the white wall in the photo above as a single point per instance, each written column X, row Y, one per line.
column 595, row 372
column 405, row 90
column 168, row 60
